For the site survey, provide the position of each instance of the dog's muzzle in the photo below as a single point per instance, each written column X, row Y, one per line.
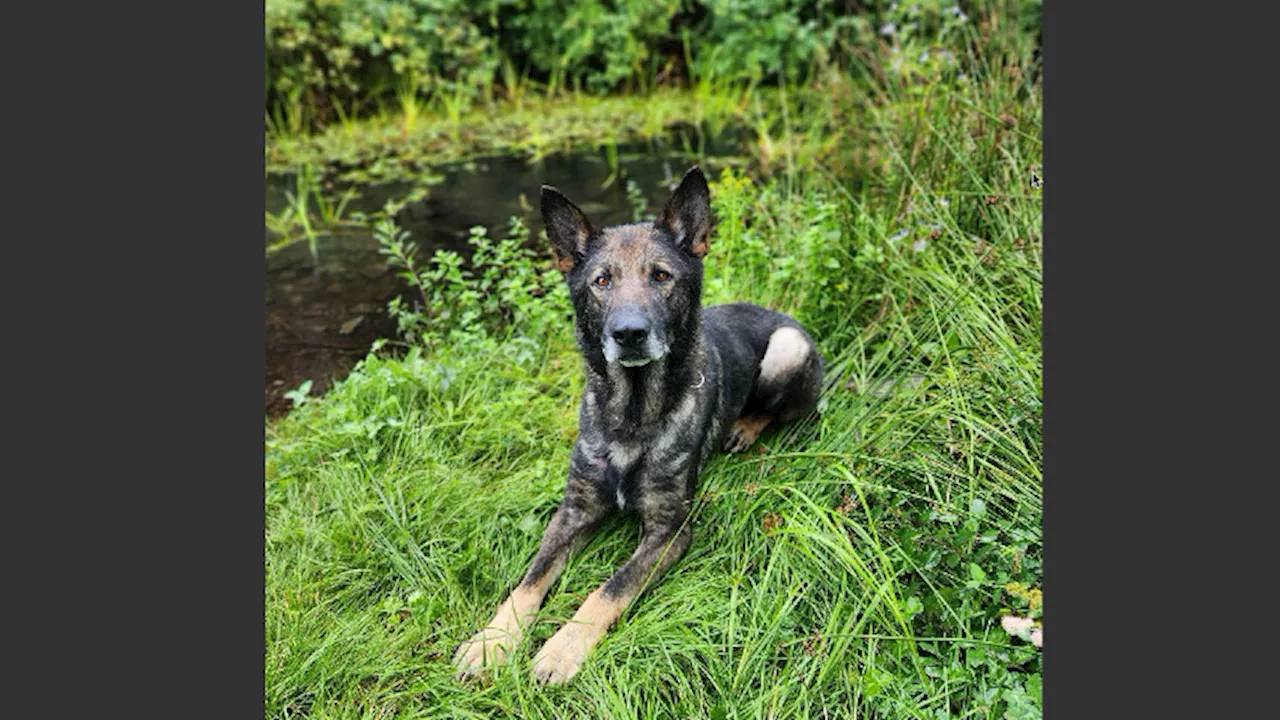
column 630, row 342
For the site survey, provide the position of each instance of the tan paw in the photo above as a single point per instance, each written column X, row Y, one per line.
column 485, row 650
column 490, row 647
column 562, row 656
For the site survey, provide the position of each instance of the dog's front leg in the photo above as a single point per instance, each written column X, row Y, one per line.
column 577, row 515
column 663, row 542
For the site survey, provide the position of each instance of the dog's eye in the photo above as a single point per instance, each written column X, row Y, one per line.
column 602, row 281
column 661, row 275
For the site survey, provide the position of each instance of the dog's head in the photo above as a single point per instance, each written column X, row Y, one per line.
column 634, row 287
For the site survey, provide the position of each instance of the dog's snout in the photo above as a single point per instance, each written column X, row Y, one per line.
column 631, row 338
column 631, row 332
column 630, row 328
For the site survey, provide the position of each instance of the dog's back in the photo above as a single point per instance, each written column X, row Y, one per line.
column 772, row 370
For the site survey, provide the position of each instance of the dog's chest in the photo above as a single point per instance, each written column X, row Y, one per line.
column 637, row 469
column 624, row 469
column 645, row 457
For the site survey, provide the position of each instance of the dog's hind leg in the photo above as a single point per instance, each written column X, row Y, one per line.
column 662, row 543
column 745, row 431
column 572, row 524
column 786, row 388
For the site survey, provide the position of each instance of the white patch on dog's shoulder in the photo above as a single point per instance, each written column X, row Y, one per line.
column 788, row 349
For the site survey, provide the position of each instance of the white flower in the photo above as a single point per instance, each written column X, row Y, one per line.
column 1023, row 627
column 1015, row 625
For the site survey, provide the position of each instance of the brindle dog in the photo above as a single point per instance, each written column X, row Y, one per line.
column 667, row 383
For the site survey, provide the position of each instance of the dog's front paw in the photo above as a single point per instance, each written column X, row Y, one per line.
column 490, row 647
column 485, row 650
column 562, row 656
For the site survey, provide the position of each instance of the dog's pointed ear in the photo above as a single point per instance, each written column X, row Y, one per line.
column 567, row 228
column 688, row 213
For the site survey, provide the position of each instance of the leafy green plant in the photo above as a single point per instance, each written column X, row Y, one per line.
column 300, row 395
column 321, row 50
column 505, row 290
column 758, row 39
column 598, row 44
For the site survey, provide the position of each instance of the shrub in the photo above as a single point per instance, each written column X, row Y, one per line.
column 325, row 52
column 758, row 39
column 505, row 291
column 599, row 44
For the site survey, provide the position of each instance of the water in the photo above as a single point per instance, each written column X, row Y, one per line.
column 322, row 318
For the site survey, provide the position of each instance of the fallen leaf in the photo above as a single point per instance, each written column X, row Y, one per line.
column 350, row 325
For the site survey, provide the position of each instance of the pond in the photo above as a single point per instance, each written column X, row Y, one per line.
column 322, row 317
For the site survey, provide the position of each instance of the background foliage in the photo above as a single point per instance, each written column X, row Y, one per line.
column 334, row 57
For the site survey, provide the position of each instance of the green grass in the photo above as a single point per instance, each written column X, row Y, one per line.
column 857, row 568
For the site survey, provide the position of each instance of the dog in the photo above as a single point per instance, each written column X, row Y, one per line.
column 667, row 383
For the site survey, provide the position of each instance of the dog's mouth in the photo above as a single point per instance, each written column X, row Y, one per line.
column 634, row 357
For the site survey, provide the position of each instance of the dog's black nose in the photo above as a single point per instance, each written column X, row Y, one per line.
column 630, row 332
